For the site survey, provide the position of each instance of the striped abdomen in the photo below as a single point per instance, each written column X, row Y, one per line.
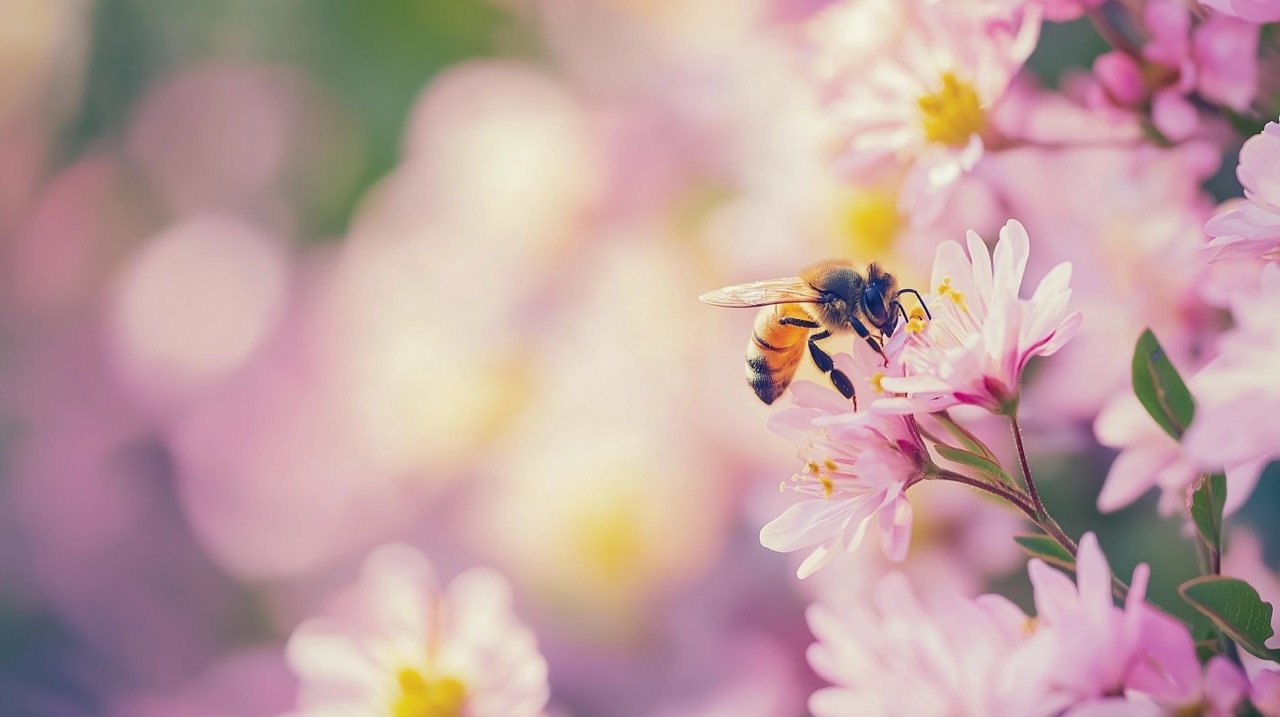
column 775, row 349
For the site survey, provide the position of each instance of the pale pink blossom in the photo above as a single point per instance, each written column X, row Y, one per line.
column 982, row 332
column 1250, row 228
column 1215, row 58
column 858, row 466
column 404, row 646
column 1098, row 644
column 921, row 100
column 898, row 655
column 1258, row 11
column 1150, row 457
column 1239, row 391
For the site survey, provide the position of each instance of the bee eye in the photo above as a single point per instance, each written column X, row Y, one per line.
column 873, row 303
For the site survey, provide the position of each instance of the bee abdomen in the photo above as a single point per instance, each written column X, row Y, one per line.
column 774, row 352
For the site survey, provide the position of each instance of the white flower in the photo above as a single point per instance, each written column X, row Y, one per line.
column 982, row 332
column 407, row 649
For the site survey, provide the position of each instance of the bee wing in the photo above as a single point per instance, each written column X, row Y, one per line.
column 790, row 290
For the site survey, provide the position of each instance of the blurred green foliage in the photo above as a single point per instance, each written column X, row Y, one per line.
column 372, row 58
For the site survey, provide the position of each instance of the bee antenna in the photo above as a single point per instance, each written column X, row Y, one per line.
column 919, row 298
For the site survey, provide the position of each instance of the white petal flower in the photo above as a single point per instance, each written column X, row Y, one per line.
column 408, row 649
column 982, row 332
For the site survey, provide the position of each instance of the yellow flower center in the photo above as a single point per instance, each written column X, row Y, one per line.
column 422, row 697
column 945, row 289
column 611, row 540
column 952, row 113
column 870, row 221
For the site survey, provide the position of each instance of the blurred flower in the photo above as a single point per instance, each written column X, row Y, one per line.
column 220, row 136
column 1140, row 266
column 1149, row 457
column 922, row 100
column 858, row 467
column 1239, row 391
column 982, row 333
column 405, row 646
column 1250, row 228
column 954, row 656
column 1098, row 644
column 1259, row 11
column 194, row 304
column 1217, row 59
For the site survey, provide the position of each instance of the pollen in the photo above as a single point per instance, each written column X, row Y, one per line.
column 879, row 375
column 945, row 289
column 830, row 465
column 420, row 696
column 828, row 486
column 952, row 113
column 811, row 467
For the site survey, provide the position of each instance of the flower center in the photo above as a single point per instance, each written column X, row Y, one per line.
column 822, row 472
column 423, row 697
column 952, row 113
column 611, row 540
column 870, row 220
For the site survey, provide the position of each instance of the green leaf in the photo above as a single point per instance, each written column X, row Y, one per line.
column 1159, row 387
column 1207, row 499
column 1236, row 609
column 987, row 467
column 1047, row 549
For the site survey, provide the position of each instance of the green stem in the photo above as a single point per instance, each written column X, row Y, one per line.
column 1026, row 469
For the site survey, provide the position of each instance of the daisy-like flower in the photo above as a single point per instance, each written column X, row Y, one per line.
column 982, row 332
column 901, row 655
column 1238, row 393
column 923, row 99
column 857, row 468
column 1250, row 228
column 1081, row 654
column 405, row 648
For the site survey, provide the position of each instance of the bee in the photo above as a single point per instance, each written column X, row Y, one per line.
column 828, row 297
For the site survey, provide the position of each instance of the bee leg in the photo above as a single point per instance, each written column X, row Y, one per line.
column 825, row 364
column 804, row 323
column 866, row 336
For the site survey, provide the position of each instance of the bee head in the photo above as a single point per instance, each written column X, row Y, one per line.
column 875, row 298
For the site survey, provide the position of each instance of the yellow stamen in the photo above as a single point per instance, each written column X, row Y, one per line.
column 953, row 113
column 827, row 485
column 422, row 697
column 830, row 465
column 811, row 467
column 879, row 375
column 945, row 289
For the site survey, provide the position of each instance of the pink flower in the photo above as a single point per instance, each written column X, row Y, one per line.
column 982, row 332
column 1098, row 644
column 1216, row 58
column 1252, row 10
column 858, row 466
column 406, row 647
column 953, row 656
column 1239, row 391
column 1251, row 228
column 923, row 99
column 1149, row 457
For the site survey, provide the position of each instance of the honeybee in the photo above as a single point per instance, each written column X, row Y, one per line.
column 828, row 297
